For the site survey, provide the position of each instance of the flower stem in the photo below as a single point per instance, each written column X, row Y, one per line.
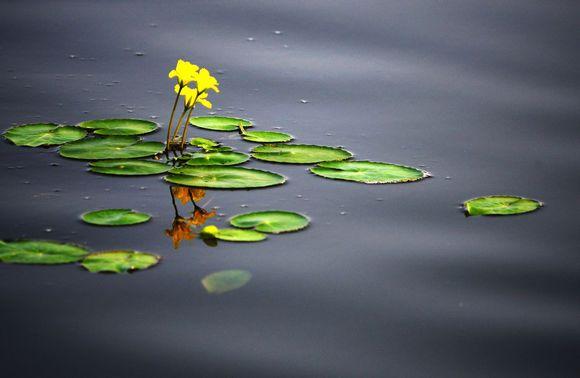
column 171, row 117
column 185, row 128
column 177, row 127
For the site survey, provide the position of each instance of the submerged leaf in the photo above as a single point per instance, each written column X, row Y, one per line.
column 40, row 252
column 219, row 123
column 120, row 126
column 217, row 158
column 223, row 177
column 113, row 147
column 271, row 221
column 267, row 137
column 225, row 280
column 368, row 172
column 119, row 261
column 43, row 134
column 115, row 217
column 500, row 205
column 299, row 153
column 128, row 167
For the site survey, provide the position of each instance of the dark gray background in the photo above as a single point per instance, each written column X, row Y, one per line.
column 401, row 284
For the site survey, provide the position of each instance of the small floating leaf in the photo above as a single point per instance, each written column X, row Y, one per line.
column 115, row 217
column 219, row 123
column 120, row 126
column 299, row 153
column 234, row 234
column 218, row 158
column 40, row 252
column 119, row 261
column 267, row 137
column 113, row 147
column 43, row 134
column 225, row 280
column 500, row 205
column 128, row 167
column 271, row 221
column 223, row 177
column 368, row 172
column 206, row 144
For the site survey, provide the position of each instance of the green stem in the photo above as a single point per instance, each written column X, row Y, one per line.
column 177, row 127
column 242, row 130
column 185, row 128
column 171, row 117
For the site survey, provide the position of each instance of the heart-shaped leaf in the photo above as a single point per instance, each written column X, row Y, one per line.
column 43, row 134
column 113, row 147
column 120, row 126
column 223, row 177
column 267, row 137
column 271, row 221
column 299, row 153
column 368, row 172
column 219, row 123
column 119, row 261
column 128, row 167
column 500, row 205
column 115, row 217
column 40, row 252
column 217, row 158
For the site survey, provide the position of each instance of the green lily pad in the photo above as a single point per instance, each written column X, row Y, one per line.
column 500, row 205
column 271, row 221
column 115, row 217
column 113, row 147
column 232, row 234
column 368, row 172
column 218, row 158
column 299, row 153
column 219, row 123
column 40, row 252
column 204, row 143
column 120, row 126
column 267, row 137
column 119, row 261
column 223, row 177
column 128, row 167
column 225, row 280
column 43, row 134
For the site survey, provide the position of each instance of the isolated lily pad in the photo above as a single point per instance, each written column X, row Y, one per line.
column 119, row 261
column 232, row 234
column 223, row 177
column 112, row 147
column 267, row 137
column 225, row 280
column 299, row 153
column 128, row 167
column 219, row 123
column 218, row 158
column 40, row 252
column 500, row 205
column 368, row 172
column 43, row 134
column 271, row 221
column 120, row 126
column 115, row 217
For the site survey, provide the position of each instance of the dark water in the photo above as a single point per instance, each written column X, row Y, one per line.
column 401, row 284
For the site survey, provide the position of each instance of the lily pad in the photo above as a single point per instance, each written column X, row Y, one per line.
column 225, row 280
column 271, row 221
column 232, row 234
column 500, row 205
column 267, row 137
column 43, row 134
column 40, row 252
column 204, row 143
column 218, row 158
column 128, row 167
column 368, row 172
column 223, row 177
column 119, row 261
column 115, row 217
column 299, row 153
column 113, row 147
column 219, row 123
column 120, row 126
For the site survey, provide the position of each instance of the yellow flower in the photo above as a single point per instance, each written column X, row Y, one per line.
column 205, row 81
column 185, row 72
column 191, row 97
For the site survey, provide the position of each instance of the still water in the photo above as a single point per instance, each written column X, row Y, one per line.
column 389, row 280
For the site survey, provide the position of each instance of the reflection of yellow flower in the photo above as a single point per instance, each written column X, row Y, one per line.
column 180, row 230
column 205, row 81
column 186, row 195
column 192, row 97
column 200, row 216
column 185, row 72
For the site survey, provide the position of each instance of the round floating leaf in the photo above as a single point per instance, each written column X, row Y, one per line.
column 128, row 167
column 40, row 252
column 115, row 217
column 500, row 205
column 119, row 261
column 368, row 172
column 219, row 123
column 43, row 134
column 223, row 177
column 120, row 126
column 238, row 235
column 113, row 147
column 218, row 158
column 225, row 280
column 299, row 153
column 271, row 221
column 267, row 137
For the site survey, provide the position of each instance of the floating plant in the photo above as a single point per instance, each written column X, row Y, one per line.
column 128, row 167
column 40, row 252
column 43, row 134
column 232, row 234
column 225, row 280
column 119, row 126
column 223, row 177
column 219, row 123
column 368, row 172
column 266, row 137
column 119, row 261
column 299, row 153
column 115, row 217
column 271, row 221
column 500, row 205
column 112, row 147
column 206, row 144
column 217, row 158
